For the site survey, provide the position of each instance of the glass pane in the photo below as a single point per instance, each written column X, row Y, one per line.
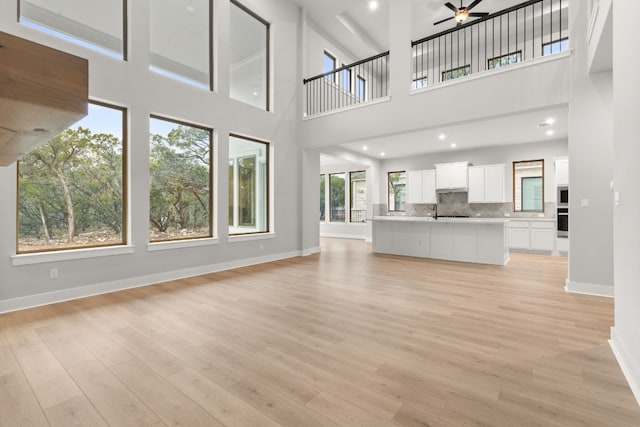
column 361, row 88
column 180, row 193
column 358, row 200
column 249, row 38
column 70, row 190
column 98, row 24
column 346, row 80
column 501, row 61
column 456, row 73
column 179, row 39
column 328, row 64
column 336, row 196
column 396, row 181
column 528, row 186
column 248, row 176
column 322, row 198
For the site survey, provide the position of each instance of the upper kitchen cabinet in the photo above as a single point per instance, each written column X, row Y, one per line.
column 421, row 187
column 486, row 184
column 562, row 172
column 452, row 176
column 42, row 92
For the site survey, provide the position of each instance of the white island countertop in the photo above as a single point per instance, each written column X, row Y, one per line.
column 442, row 220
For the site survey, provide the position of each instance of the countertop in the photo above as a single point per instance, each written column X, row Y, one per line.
column 442, row 220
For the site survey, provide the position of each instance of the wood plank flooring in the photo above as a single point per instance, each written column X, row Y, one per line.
column 345, row 338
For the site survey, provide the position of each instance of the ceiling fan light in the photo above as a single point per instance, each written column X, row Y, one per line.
column 461, row 16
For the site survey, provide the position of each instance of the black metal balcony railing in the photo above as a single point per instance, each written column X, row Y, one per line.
column 357, row 83
column 526, row 31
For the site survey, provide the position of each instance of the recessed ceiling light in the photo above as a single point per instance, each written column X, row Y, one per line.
column 454, row 145
column 442, row 137
column 365, row 148
column 373, row 5
column 550, row 132
column 550, row 121
column 382, row 154
column 255, row 93
column 191, row 9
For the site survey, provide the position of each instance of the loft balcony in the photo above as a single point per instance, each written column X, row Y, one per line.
column 525, row 33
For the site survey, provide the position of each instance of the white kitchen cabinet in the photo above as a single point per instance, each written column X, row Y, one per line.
column 486, row 184
column 421, row 187
column 533, row 235
column 562, row 172
column 452, row 176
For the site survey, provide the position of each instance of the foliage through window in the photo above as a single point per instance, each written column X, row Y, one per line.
column 322, row 197
column 337, row 197
column 180, row 199
column 504, row 60
column 96, row 24
column 71, row 190
column 358, row 196
column 248, row 186
column 528, row 186
column 396, row 190
column 249, row 57
column 456, row 73
column 555, row 46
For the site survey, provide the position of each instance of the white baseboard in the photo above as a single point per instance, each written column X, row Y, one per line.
column 311, row 251
column 343, row 236
column 588, row 289
column 45, row 298
column 628, row 363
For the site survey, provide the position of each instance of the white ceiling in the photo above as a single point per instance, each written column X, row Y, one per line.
column 516, row 129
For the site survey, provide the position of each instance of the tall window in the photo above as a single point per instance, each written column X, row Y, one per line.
column 396, row 185
column 322, row 198
column 336, row 197
column 249, row 61
column 528, row 186
column 358, row 196
column 329, row 64
column 345, row 79
column 180, row 40
column 248, row 186
column 97, row 24
column 361, row 88
column 180, row 201
column 71, row 191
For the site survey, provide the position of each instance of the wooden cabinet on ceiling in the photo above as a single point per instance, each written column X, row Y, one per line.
column 42, row 92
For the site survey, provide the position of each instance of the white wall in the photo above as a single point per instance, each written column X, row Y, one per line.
column 547, row 150
column 590, row 168
column 626, row 110
column 142, row 92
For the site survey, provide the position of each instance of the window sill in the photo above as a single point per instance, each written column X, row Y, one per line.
column 180, row 244
column 250, row 237
column 69, row 255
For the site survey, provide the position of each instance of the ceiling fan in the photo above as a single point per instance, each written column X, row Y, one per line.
column 462, row 13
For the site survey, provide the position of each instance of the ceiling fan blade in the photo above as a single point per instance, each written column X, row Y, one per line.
column 450, row 6
column 478, row 14
column 444, row 20
column 474, row 4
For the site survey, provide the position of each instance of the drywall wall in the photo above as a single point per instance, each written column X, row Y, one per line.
column 131, row 85
column 625, row 337
column 590, row 168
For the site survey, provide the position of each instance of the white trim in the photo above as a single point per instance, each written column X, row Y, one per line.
column 350, row 107
column 588, row 289
column 311, row 251
column 627, row 362
column 71, row 254
column 248, row 237
column 180, row 244
column 343, row 236
column 45, row 298
column 592, row 22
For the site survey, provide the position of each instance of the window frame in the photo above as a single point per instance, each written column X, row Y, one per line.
column 211, row 233
column 332, row 75
column 323, row 197
column 267, row 25
column 552, row 42
column 349, row 78
column 423, row 81
column 389, row 190
column 462, row 67
column 360, row 79
column 267, row 186
column 351, row 195
column 344, row 202
column 125, row 193
column 498, row 58
column 513, row 185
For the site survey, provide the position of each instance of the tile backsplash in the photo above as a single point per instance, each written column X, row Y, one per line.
column 456, row 204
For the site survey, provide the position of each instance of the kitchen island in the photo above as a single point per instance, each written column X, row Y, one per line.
column 479, row 240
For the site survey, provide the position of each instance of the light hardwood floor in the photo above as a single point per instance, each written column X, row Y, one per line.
column 341, row 338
